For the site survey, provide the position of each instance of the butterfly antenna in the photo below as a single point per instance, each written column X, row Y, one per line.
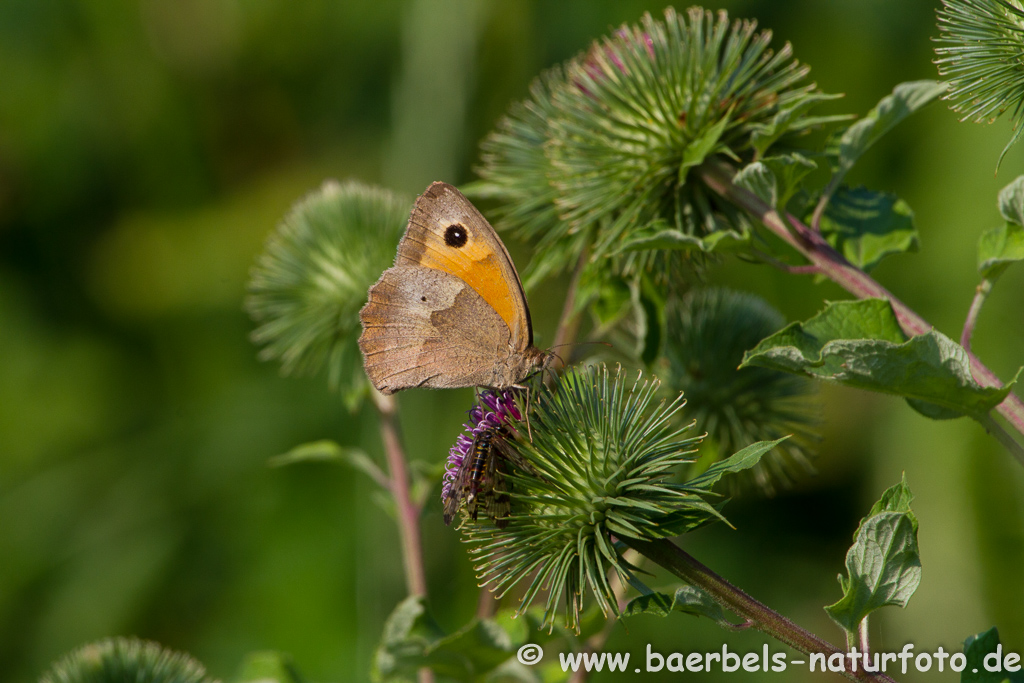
column 602, row 343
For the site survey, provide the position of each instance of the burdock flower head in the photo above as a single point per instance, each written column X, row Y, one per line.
column 115, row 660
column 707, row 333
column 982, row 54
column 598, row 470
column 603, row 160
column 311, row 279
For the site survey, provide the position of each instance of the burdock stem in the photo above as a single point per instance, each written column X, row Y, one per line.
column 407, row 512
column 830, row 263
column 676, row 560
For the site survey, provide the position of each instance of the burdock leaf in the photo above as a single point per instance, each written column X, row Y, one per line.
column 326, row 450
column 860, row 344
column 866, row 226
column 883, row 568
column 765, row 135
column 982, row 649
column 739, row 461
column 686, row 599
column 775, row 179
column 883, row 565
column 480, row 646
column 1004, row 245
column 658, row 236
column 906, row 98
column 1011, row 201
column 896, row 498
column 408, row 633
column 998, row 248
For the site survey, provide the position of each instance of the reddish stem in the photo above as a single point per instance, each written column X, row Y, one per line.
column 759, row 616
column 980, row 294
column 407, row 511
column 831, row 264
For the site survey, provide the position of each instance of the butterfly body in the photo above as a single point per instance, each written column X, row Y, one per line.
column 451, row 312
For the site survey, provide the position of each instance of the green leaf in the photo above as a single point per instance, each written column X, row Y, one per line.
column 408, row 632
column 906, row 98
column 656, row 237
column 480, row 650
column 699, row 148
column 976, row 649
column 883, row 565
column 759, row 179
column 314, row 451
column 609, row 297
column 480, row 646
column 267, row 667
column 330, row 451
column 860, row 344
column 697, row 512
column 932, row 411
column 896, row 498
column 1011, row 201
column 998, row 248
column 687, row 599
column 764, row 136
column 866, row 226
column 737, row 462
column 775, row 179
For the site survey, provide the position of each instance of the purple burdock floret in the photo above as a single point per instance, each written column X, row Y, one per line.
column 494, row 411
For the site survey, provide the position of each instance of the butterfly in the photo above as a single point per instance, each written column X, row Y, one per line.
column 480, row 480
column 451, row 312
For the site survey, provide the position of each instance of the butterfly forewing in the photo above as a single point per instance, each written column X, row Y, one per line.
column 451, row 312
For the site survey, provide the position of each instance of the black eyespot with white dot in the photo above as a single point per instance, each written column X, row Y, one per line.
column 456, row 235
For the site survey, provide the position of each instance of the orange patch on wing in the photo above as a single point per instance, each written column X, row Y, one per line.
column 477, row 266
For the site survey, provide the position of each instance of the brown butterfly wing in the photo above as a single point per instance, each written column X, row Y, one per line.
column 451, row 312
column 424, row 327
column 447, row 233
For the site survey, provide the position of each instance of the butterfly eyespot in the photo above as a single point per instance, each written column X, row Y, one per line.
column 456, row 235
column 423, row 298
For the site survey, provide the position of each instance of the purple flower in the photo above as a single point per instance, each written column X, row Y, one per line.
column 494, row 411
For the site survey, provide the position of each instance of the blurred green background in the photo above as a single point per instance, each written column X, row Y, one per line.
column 147, row 147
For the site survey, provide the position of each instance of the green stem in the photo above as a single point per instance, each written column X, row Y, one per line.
column 673, row 558
column 832, row 265
column 863, row 642
column 1002, row 436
